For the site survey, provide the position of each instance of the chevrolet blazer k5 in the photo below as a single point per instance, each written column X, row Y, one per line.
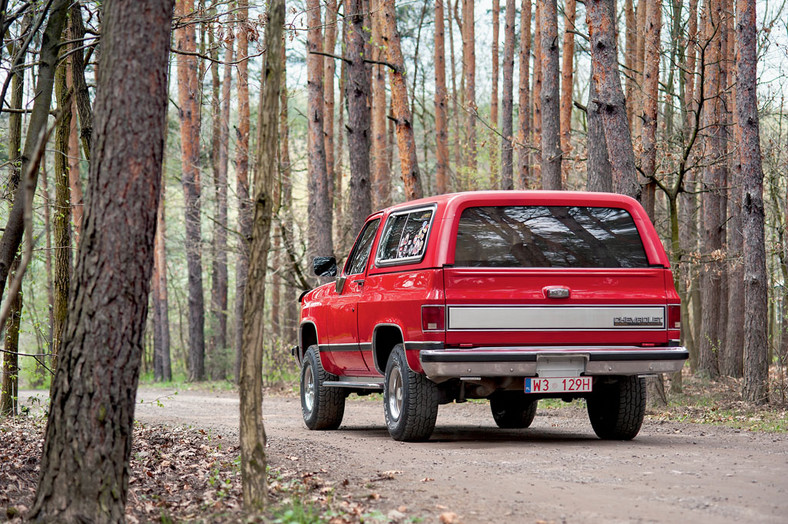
column 512, row 296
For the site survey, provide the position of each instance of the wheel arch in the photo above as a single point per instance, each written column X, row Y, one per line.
column 307, row 336
column 384, row 338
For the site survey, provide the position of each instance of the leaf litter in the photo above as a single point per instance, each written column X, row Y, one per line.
column 180, row 474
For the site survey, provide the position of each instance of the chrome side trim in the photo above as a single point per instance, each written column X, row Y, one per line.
column 357, row 384
column 585, row 318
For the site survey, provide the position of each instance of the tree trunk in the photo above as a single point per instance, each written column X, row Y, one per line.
column 290, row 320
column 189, row 101
column 75, row 182
column 524, row 100
column 84, row 465
column 600, row 173
column 381, row 178
column 81, row 93
column 610, row 104
column 62, row 219
column 567, row 87
column 320, row 222
column 551, row 114
column 733, row 354
column 161, row 317
column 406, row 143
column 220, row 108
column 357, row 95
column 629, row 58
column 441, row 122
column 253, row 459
column 48, row 56
column 329, row 69
column 711, row 289
column 9, row 392
column 496, row 25
column 242, row 179
column 536, row 99
column 507, row 152
column 469, row 71
column 756, row 365
column 650, row 99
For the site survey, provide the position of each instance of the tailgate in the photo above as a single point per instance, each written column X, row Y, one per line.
column 555, row 307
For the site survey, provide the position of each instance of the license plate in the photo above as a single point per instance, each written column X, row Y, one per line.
column 558, row 385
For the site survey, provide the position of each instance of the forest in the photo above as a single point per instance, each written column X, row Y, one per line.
column 457, row 96
column 680, row 104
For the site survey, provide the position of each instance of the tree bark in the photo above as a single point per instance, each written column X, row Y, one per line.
column 733, row 354
column 292, row 310
column 711, row 288
column 81, row 92
column 357, row 96
column 524, row 99
column 600, row 173
column 50, row 45
column 441, row 121
column 319, row 208
column 381, row 177
column 756, row 365
column 406, row 143
column 62, row 218
column 84, row 465
column 567, row 86
column 650, row 99
column 551, row 114
column 9, row 392
column 219, row 277
column 496, row 25
column 630, row 56
column 161, row 319
column 75, row 181
column 253, row 459
column 469, row 70
column 507, row 152
column 329, row 68
column 10, row 360
column 188, row 98
column 610, row 104
column 536, row 99
column 242, row 179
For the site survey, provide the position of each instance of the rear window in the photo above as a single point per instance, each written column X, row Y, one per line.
column 548, row 236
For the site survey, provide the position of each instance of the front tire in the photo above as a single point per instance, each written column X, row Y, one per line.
column 410, row 400
column 617, row 407
column 512, row 409
column 322, row 407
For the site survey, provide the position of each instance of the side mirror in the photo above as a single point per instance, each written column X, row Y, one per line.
column 325, row 266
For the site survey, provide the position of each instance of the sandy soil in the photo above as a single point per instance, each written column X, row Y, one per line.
column 555, row 471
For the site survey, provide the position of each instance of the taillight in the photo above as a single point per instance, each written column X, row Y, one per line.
column 674, row 317
column 433, row 318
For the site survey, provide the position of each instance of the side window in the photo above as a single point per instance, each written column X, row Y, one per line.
column 405, row 237
column 357, row 261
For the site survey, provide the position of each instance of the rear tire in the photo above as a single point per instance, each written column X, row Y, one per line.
column 617, row 407
column 322, row 407
column 512, row 409
column 410, row 400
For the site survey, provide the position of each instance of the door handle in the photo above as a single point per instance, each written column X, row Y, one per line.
column 359, row 282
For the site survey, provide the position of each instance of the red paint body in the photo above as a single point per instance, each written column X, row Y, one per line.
column 393, row 295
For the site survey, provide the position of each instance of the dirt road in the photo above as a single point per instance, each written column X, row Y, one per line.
column 555, row 471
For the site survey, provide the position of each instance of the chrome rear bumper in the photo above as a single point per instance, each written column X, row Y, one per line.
column 443, row 364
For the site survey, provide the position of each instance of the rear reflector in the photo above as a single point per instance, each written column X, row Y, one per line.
column 433, row 318
column 674, row 316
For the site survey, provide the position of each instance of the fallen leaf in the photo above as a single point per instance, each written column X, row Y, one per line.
column 449, row 517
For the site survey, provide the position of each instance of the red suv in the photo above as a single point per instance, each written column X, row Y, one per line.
column 508, row 295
